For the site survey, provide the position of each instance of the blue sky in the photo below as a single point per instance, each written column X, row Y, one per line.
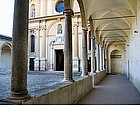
column 6, row 17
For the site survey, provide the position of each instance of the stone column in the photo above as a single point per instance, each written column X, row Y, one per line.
column 19, row 51
column 76, row 44
column 0, row 53
column 103, row 58
column 84, row 53
column 101, row 62
column 93, row 45
column 76, row 49
column 97, row 58
column 68, row 46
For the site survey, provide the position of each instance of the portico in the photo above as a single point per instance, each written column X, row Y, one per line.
column 114, row 28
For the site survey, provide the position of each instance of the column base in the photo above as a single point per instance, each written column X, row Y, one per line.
column 83, row 75
column 18, row 96
column 93, row 72
column 97, row 71
column 66, row 80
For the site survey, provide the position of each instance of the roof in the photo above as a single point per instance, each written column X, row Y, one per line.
column 5, row 37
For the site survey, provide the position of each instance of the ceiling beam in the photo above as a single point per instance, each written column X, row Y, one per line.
column 115, row 29
column 113, row 36
column 112, row 18
column 115, row 41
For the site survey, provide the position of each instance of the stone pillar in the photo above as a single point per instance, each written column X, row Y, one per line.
column 93, row 45
column 101, row 60
column 84, row 53
column 0, row 53
column 76, row 44
column 76, row 64
column 97, row 58
column 20, row 51
column 68, row 46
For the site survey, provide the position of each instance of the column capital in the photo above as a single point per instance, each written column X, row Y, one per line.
column 68, row 12
column 85, row 29
column 76, row 25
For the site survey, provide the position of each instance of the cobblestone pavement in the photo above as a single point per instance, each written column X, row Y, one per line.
column 114, row 89
column 36, row 81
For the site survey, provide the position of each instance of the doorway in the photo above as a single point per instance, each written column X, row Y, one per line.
column 116, row 62
column 31, row 66
column 6, row 59
column 59, row 60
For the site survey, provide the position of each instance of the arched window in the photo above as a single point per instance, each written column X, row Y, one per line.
column 32, row 43
column 33, row 11
column 59, row 29
column 59, row 7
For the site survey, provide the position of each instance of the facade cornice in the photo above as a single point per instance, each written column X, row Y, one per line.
column 51, row 17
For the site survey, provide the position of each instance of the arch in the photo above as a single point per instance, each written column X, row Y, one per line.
column 91, row 26
column 6, row 44
column 114, row 4
column 116, row 61
column 49, row 27
column 83, row 14
column 5, row 56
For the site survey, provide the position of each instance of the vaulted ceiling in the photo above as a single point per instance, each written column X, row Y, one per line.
column 111, row 19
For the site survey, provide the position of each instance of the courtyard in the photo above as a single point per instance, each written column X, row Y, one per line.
column 36, row 80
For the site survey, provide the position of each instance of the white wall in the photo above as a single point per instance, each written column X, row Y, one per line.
column 133, row 53
column 121, row 48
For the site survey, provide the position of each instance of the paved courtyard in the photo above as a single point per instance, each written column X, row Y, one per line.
column 36, row 81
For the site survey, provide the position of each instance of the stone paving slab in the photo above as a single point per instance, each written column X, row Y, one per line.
column 114, row 89
column 35, row 81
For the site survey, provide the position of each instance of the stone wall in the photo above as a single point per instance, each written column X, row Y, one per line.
column 62, row 93
column 97, row 77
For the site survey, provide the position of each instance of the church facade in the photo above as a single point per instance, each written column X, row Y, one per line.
column 46, row 36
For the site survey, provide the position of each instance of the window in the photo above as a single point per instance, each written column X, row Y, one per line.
column 32, row 43
column 59, row 29
column 59, row 7
column 33, row 11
